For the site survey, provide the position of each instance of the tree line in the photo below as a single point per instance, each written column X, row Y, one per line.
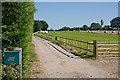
column 115, row 25
column 40, row 25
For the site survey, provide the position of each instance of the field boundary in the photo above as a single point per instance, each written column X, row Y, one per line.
column 98, row 49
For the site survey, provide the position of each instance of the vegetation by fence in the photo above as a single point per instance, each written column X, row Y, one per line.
column 82, row 45
column 99, row 49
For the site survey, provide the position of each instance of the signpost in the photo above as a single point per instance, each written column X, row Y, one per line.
column 13, row 58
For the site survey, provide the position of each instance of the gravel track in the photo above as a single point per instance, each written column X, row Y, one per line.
column 55, row 64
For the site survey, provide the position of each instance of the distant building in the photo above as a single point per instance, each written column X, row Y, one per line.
column 44, row 31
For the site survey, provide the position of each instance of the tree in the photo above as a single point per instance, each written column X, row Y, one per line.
column 64, row 29
column 37, row 25
column 85, row 27
column 75, row 28
column 106, row 27
column 95, row 26
column 51, row 29
column 44, row 25
column 115, row 23
column 40, row 25
column 101, row 22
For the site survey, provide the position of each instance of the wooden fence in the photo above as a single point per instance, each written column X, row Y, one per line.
column 108, row 49
column 96, row 48
column 80, row 44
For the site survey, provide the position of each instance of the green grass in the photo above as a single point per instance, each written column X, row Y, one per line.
column 29, row 58
column 85, row 36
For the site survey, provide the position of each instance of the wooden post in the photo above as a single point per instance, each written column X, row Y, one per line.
column 55, row 37
column 81, row 45
column 65, row 42
column 75, row 43
column 58, row 38
column 87, row 46
column 68, row 42
column 72, row 44
column 95, row 51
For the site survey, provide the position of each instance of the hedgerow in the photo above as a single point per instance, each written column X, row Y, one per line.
column 17, row 28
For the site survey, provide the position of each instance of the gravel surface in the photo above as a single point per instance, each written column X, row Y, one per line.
column 57, row 63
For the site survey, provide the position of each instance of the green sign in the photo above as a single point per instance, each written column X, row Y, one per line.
column 12, row 57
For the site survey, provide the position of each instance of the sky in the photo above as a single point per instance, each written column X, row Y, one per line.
column 75, row 14
column 76, row 0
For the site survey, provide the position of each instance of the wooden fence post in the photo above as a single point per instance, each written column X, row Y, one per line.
column 55, row 37
column 72, row 46
column 95, row 51
column 66, row 42
column 87, row 46
column 81, row 45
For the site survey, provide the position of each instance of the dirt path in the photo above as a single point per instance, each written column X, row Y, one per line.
column 54, row 64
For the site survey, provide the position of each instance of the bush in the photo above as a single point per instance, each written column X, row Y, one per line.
column 18, row 20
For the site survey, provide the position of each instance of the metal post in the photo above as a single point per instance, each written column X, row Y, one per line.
column 20, row 62
column 20, row 57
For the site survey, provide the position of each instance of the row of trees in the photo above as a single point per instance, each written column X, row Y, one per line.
column 17, row 29
column 115, row 24
column 40, row 25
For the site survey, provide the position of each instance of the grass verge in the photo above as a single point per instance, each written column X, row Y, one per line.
column 28, row 59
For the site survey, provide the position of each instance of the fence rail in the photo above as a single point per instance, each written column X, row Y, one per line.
column 86, row 49
column 108, row 50
column 99, row 49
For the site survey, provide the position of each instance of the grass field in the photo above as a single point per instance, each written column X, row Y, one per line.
column 85, row 36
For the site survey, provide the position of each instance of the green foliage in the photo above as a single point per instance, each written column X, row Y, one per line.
column 18, row 20
column 45, row 25
column 85, row 27
column 95, row 26
column 115, row 23
column 51, row 29
column 64, row 29
column 37, row 25
column 106, row 27
column 101, row 22
column 86, row 55
column 28, row 59
column 40, row 25
column 11, row 71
